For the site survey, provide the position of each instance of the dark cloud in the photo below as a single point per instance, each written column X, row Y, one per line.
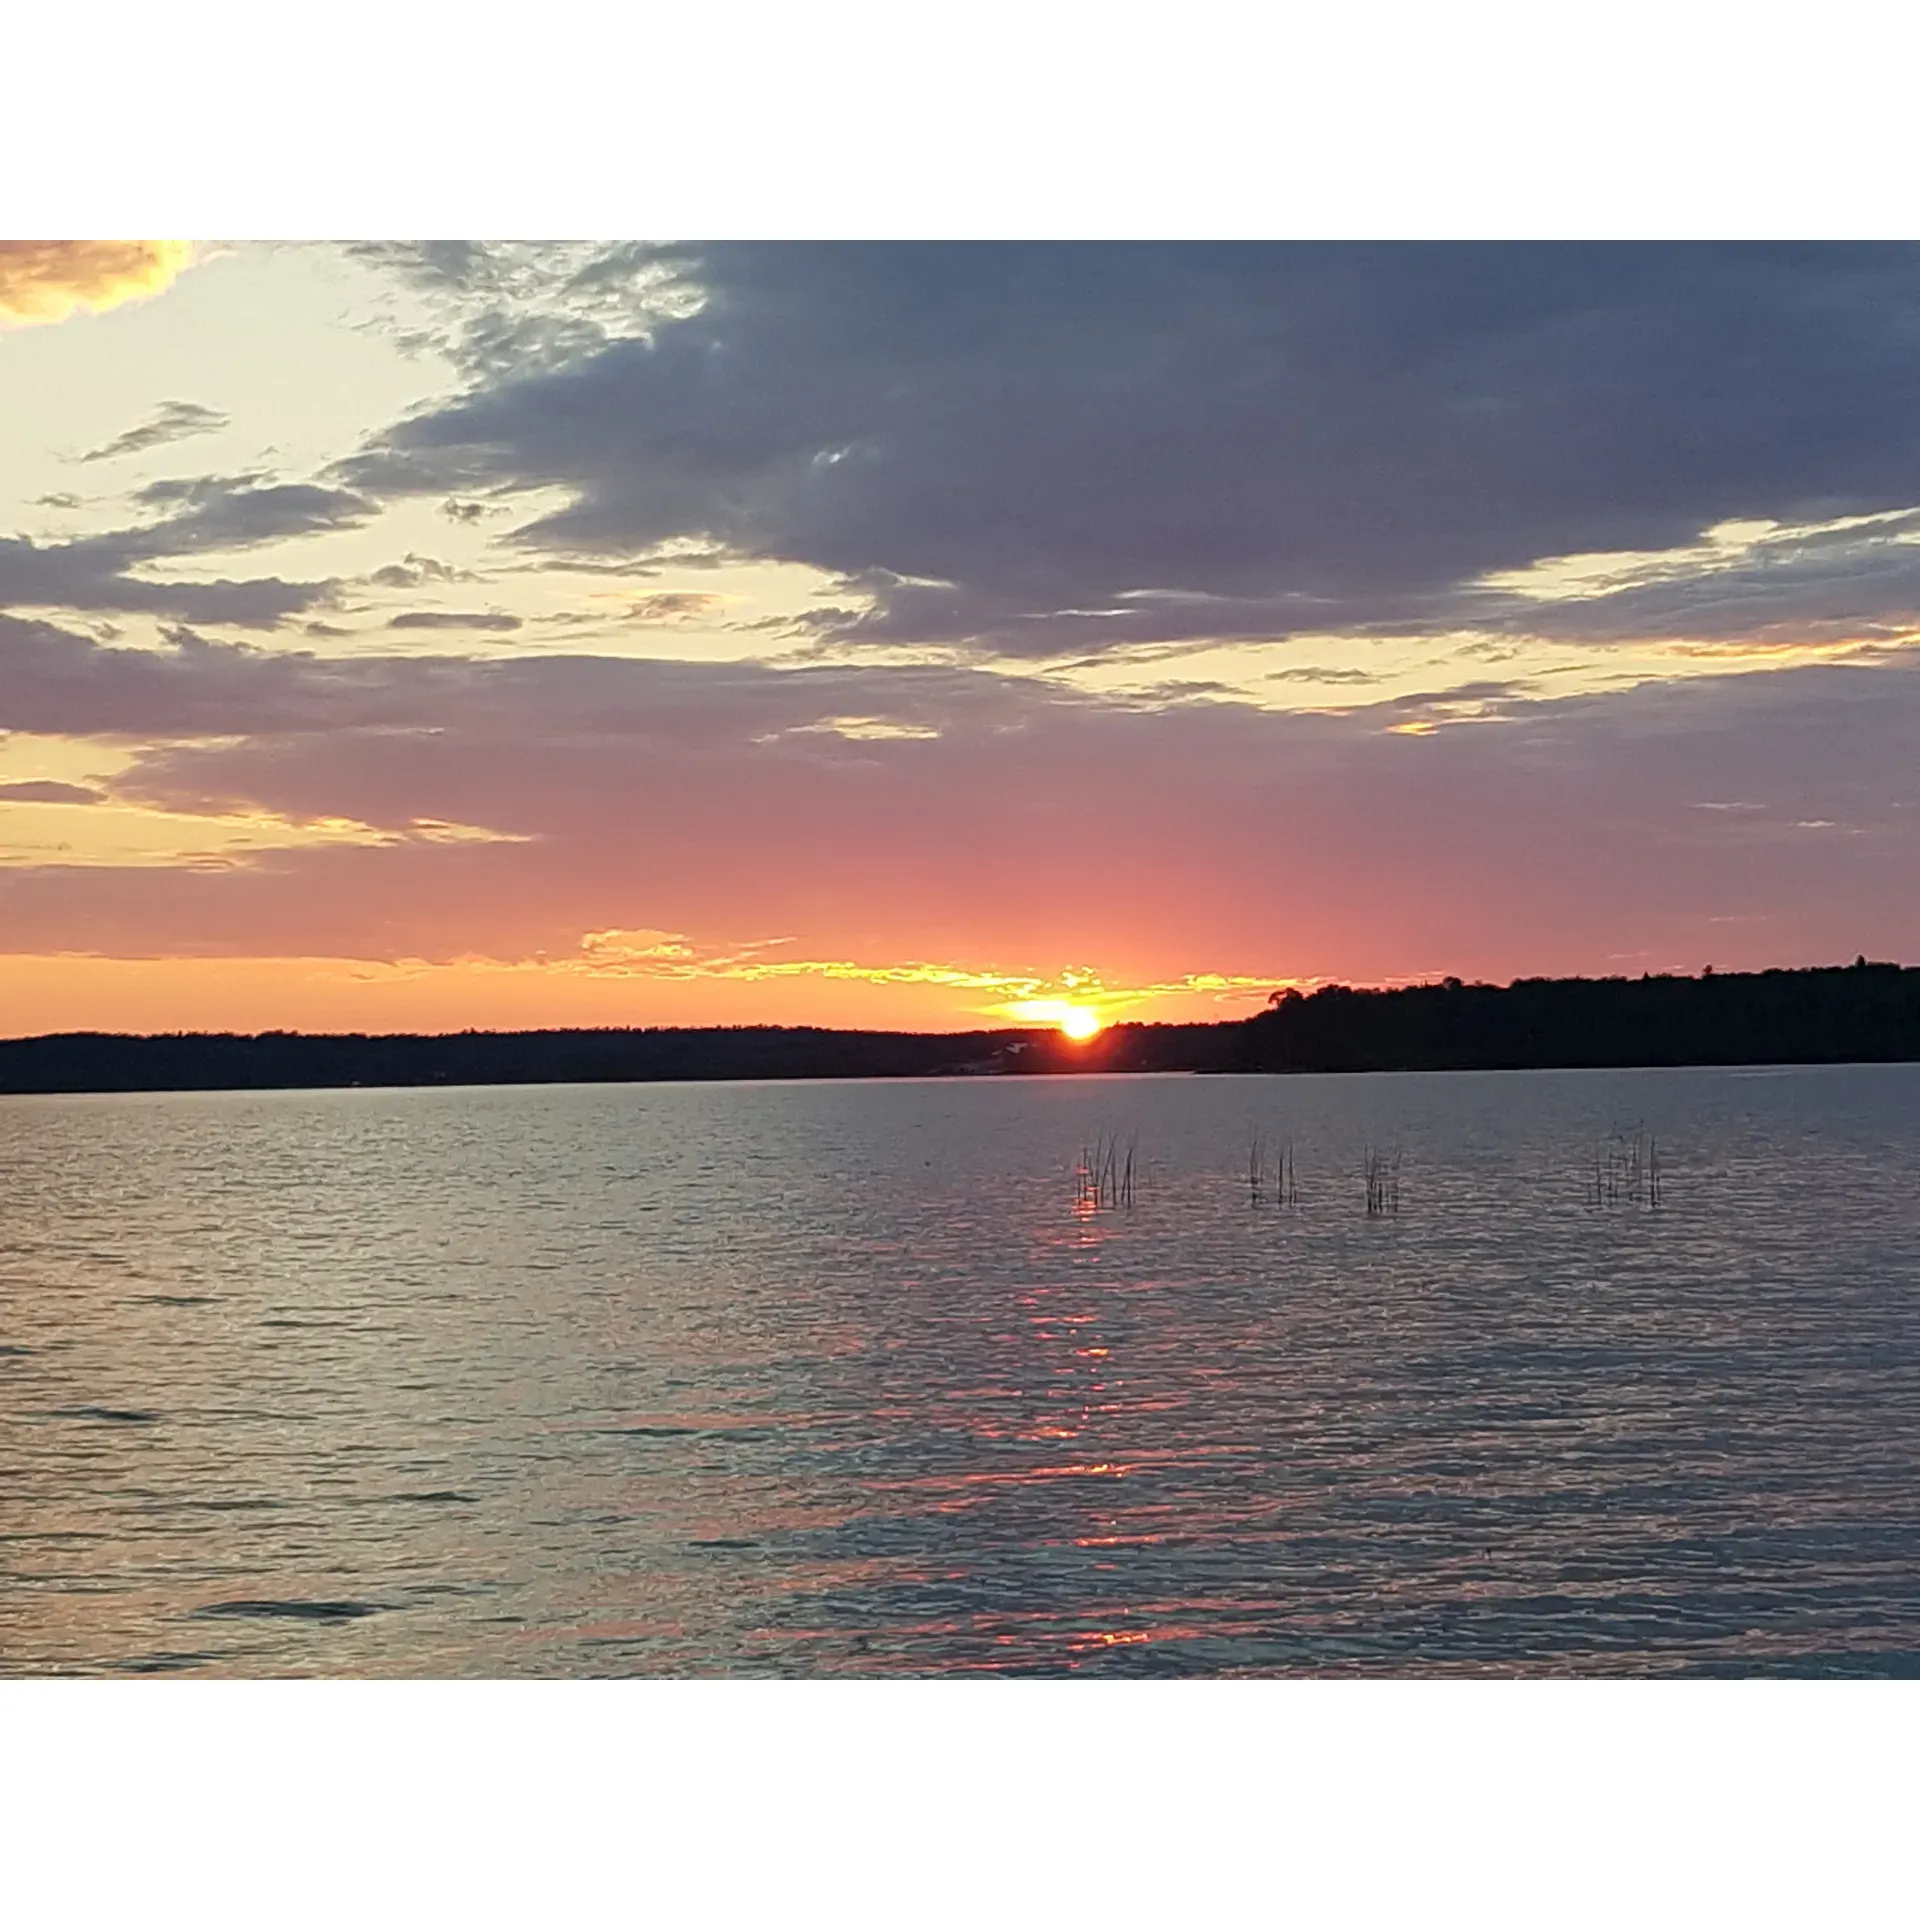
column 1325, row 676
column 499, row 308
column 173, row 420
column 218, row 513
column 1007, row 442
column 429, row 264
column 89, row 576
column 56, row 681
column 1471, row 694
column 52, row 793
column 417, row 570
column 1849, row 581
column 471, row 622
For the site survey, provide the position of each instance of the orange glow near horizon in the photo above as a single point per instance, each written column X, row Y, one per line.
column 66, row 993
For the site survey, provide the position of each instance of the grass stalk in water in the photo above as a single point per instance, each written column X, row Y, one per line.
column 1270, row 1160
column 1104, row 1177
column 1383, row 1181
column 1626, row 1169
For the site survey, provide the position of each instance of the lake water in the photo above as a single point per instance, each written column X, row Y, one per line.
column 845, row 1379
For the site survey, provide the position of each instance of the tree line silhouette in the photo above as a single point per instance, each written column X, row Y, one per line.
column 1868, row 1011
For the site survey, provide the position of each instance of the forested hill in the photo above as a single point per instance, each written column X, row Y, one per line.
column 1868, row 1011
column 1863, row 1012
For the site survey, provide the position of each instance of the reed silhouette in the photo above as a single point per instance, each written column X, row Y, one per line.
column 1270, row 1171
column 1382, row 1171
column 1104, row 1175
column 1626, row 1169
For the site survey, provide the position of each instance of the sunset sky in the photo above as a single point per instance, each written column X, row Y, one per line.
column 441, row 635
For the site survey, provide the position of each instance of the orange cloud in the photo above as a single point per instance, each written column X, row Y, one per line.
column 653, row 953
column 42, row 281
column 62, row 993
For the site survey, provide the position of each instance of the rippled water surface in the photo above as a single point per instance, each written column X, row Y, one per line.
column 842, row 1379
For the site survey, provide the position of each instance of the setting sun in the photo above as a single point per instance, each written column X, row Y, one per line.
column 1075, row 1021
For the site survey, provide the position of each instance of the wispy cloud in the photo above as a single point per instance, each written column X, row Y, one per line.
column 455, row 622
column 417, row 570
column 1016, row 994
column 173, row 420
column 50, row 793
column 212, row 514
column 502, row 308
column 671, row 609
column 654, row 953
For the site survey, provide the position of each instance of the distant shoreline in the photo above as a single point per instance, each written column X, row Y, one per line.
column 1827, row 1016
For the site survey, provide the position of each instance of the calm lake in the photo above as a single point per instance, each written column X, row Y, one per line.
column 842, row 1379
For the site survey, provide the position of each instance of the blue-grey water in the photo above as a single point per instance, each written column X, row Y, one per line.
column 845, row 1379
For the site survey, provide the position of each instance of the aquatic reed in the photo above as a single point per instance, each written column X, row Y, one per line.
column 1104, row 1176
column 1270, row 1160
column 1383, row 1180
column 1627, row 1170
